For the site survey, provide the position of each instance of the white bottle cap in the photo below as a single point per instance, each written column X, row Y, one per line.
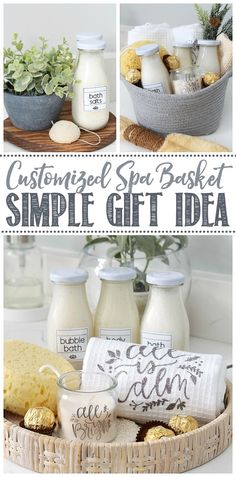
column 183, row 44
column 91, row 45
column 117, row 274
column 165, row 279
column 147, row 50
column 67, row 275
column 88, row 36
column 208, row 42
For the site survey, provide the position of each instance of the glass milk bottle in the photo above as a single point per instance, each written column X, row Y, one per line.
column 69, row 321
column 90, row 102
column 23, row 273
column 116, row 316
column 84, row 38
column 183, row 51
column 208, row 56
column 165, row 322
column 154, row 75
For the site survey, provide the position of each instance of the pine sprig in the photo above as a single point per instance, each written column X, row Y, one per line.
column 227, row 29
column 203, row 15
column 212, row 23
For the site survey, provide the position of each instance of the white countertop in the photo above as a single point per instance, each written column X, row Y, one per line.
column 35, row 333
column 8, row 147
column 222, row 136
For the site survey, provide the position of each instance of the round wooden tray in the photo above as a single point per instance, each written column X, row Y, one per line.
column 174, row 455
column 39, row 141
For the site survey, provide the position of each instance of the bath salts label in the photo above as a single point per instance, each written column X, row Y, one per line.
column 95, row 98
column 116, row 334
column 157, row 87
column 72, row 343
column 159, row 340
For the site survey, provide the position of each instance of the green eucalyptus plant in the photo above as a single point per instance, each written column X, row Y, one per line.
column 124, row 247
column 38, row 70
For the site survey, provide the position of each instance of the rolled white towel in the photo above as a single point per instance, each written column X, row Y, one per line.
column 157, row 384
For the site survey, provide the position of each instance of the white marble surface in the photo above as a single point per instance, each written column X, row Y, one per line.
column 11, row 148
column 35, row 333
column 222, row 136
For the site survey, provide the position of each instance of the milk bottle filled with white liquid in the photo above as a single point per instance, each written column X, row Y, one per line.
column 69, row 321
column 117, row 315
column 165, row 322
column 154, row 75
column 85, row 37
column 90, row 103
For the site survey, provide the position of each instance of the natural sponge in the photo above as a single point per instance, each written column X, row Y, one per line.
column 129, row 60
column 24, row 386
column 64, row 132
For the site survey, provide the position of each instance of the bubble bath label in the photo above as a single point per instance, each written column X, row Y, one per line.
column 72, row 343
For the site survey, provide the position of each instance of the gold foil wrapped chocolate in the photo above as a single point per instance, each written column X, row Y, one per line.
column 210, row 78
column 153, row 430
column 39, row 419
column 133, row 76
column 171, row 62
column 158, row 432
column 183, row 424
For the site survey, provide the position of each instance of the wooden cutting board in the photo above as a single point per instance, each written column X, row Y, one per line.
column 39, row 141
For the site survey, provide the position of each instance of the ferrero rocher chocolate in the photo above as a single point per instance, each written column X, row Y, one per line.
column 154, row 430
column 171, row 62
column 133, row 76
column 158, row 432
column 39, row 419
column 210, row 78
column 183, row 424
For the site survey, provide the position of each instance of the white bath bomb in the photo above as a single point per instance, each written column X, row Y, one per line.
column 64, row 132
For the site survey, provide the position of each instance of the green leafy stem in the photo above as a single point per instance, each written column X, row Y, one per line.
column 38, row 70
column 124, row 248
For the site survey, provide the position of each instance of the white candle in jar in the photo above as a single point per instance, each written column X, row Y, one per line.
column 87, row 406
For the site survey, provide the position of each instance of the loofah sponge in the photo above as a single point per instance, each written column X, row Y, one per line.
column 24, row 386
column 225, row 53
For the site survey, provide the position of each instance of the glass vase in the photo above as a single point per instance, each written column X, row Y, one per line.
column 96, row 257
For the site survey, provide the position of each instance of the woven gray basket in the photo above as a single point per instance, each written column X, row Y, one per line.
column 196, row 113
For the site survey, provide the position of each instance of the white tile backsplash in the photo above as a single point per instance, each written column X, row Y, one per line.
column 210, row 306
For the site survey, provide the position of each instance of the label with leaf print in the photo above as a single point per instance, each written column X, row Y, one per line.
column 164, row 381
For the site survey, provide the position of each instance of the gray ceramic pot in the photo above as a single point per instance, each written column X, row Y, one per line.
column 33, row 113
